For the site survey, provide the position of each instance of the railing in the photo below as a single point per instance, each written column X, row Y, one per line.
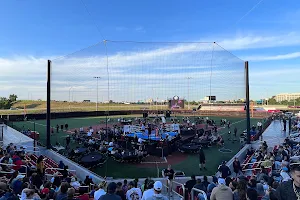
column 197, row 190
column 258, row 162
column 58, row 169
column 86, row 189
column 175, row 183
column 13, row 165
column 35, row 150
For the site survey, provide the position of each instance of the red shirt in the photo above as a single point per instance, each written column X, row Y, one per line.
column 84, row 197
column 17, row 161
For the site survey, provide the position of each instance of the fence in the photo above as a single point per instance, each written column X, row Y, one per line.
column 121, row 75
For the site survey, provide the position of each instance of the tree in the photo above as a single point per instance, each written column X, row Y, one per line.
column 13, row 97
column 5, row 103
column 272, row 101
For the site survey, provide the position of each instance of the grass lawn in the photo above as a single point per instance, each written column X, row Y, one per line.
column 112, row 169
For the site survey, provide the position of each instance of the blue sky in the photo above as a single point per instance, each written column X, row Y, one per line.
column 33, row 31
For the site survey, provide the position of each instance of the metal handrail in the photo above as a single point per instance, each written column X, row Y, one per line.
column 258, row 162
column 174, row 191
column 13, row 165
column 197, row 190
column 252, row 169
column 58, row 169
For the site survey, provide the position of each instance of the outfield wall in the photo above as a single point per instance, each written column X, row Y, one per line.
column 225, row 112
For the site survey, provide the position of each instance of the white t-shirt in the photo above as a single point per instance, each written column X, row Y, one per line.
column 98, row 194
column 89, row 134
column 140, row 140
column 148, row 193
column 134, row 194
column 75, row 185
column 285, row 176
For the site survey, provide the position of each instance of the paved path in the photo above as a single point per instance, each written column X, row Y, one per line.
column 274, row 134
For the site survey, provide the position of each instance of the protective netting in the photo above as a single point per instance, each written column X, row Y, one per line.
column 150, row 76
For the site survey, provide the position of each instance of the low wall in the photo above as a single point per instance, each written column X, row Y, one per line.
column 240, row 155
column 81, row 172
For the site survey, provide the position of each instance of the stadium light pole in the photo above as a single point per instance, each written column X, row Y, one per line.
column 188, row 78
column 69, row 97
column 97, row 78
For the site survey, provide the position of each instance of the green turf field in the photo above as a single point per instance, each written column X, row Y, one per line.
column 117, row 170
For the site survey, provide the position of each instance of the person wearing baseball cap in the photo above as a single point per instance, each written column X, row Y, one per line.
column 133, row 192
column 157, row 192
column 221, row 192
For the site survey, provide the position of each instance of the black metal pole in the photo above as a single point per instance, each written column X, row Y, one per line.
column 247, row 102
column 34, row 138
column 48, row 104
column 106, row 116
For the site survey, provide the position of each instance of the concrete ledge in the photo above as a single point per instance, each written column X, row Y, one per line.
column 81, row 172
column 240, row 155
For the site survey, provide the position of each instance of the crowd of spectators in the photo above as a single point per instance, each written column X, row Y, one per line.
column 21, row 180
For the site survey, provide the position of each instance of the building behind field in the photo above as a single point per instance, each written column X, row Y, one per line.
column 287, row 96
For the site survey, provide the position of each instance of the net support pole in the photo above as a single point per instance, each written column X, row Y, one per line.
column 48, row 142
column 247, row 102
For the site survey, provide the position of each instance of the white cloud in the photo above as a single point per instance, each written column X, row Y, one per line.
column 138, row 66
column 273, row 57
column 255, row 41
column 140, row 29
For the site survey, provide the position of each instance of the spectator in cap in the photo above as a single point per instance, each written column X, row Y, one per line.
column 150, row 191
column 100, row 192
column 157, row 192
column 133, row 193
column 110, row 195
column 45, row 193
column 221, row 192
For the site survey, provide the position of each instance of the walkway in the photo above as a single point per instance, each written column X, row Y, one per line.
column 273, row 135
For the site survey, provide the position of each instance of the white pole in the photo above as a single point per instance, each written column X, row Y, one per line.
column 97, row 97
column 188, row 78
column 97, row 77
column 70, row 98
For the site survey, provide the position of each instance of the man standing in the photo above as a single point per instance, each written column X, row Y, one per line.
column 169, row 173
column 201, row 159
column 284, row 124
column 224, row 170
column 235, row 133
